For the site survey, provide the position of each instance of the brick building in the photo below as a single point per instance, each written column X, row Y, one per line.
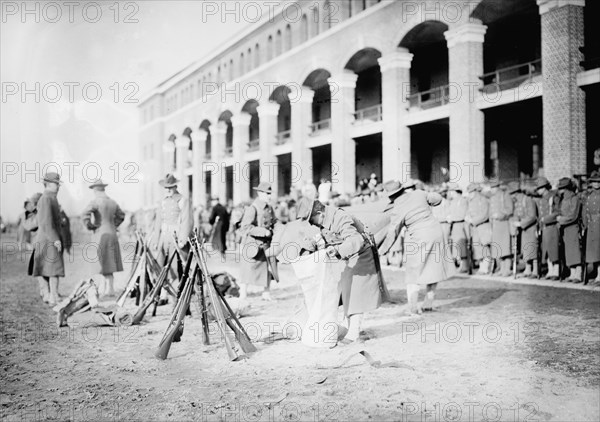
column 340, row 89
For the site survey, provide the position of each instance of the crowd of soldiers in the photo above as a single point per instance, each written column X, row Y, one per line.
column 529, row 228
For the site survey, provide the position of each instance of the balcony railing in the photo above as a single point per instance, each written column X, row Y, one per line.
column 510, row 77
column 320, row 126
column 283, row 137
column 254, row 145
column 228, row 152
column 431, row 98
column 369, row 114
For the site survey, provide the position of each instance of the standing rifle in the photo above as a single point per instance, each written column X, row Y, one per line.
column 561, row 253
column 515, row 239
column 582, row 241
column 219, row 303
column 469, row 235
column 385, row 294
column 539, row 232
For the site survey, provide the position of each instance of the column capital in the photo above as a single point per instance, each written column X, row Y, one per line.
column 345, row 79
column 182, row 142
column 301, row 94
column 220, row 128
column 548, row 5
column 269, row 108
column 168, row 147
column 242, row 119
column 198, row 136
column 396, row 60
column 470, row 32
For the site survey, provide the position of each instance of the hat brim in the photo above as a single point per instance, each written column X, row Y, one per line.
column 263, row 190
column 95, row 185
column 395, row 192
column 58, row 182
column 168, row 185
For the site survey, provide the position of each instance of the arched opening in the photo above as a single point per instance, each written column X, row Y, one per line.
column 367, row 98
column 225, row 117
column 284, row 117
column 315, row 22
column 288, row 42
column 231, row 75
column 270, row 48
column 253, row 127
column 173, row 164
column 303, row 29
column 321, row 105
column 278, row 43
column 429, row 88
column 205, row 126
column 257, row 55
column 249, row 58
column 513, row 132
column 241, row 64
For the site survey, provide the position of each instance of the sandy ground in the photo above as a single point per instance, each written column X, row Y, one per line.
column 492, row 350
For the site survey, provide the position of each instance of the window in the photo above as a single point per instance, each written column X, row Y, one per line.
column 241, row 64
column 288, row 38
column 278, row 44
column 249, row 58
column 256, row 55
column 231, row 69
column 270, row 48
column 303, row 29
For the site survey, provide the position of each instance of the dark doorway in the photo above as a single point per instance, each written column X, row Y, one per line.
column 368, row 157
column 284, row 174
column 430, row 151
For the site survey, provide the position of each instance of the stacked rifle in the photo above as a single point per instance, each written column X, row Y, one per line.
column 195, row 279
column 147, row 279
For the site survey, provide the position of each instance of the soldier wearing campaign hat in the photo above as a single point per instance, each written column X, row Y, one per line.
column 174, row 216
column 524, row 225
column 479, row 227
column 591, row 221
column 256, row 229
column 569, row 222
column 501, row 209
column 548, row 204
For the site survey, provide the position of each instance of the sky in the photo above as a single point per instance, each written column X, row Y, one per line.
column 71, row 75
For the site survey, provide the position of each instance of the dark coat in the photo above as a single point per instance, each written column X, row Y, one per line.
column 569, row 219
column 219, row 236
column 107, row 216
column 501, row 209
column 46, row 260
column 525, row 212
column 591, row 221
column 256, row 228
column 548, row 209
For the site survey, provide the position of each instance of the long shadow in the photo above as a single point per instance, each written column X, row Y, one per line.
column 463, row 297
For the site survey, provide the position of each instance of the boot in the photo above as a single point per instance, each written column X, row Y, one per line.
column 552, row 271
column 429, row 298
column 527, row 272
column 44, row 289
column 354, row 324
column 412, row 293
column 575, row 276
column 484, row 266
column 534, row 270
column 464, row 266
column 505, row 267
column 53, row 298
column 497, row 266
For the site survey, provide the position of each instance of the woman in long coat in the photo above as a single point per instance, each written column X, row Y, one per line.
column 425, row 259
column 103, row 215
column 47, row 259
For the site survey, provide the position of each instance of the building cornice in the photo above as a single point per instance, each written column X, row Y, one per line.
column 548, row 5
column 470, row 32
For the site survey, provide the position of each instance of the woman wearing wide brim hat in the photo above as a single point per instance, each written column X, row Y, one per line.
column 46, row 261
column 427, row 264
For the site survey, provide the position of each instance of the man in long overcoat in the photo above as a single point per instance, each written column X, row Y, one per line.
column 548, row 204
column 102, row 216
column 174, row 216
column 220, row 227
column 524, row 225
column 457, row 211
column 47, row 258
column 591, row 221
column 343, row 238
column 569, row 221
column 256, row 230
column 479, row 227
column 501, row 208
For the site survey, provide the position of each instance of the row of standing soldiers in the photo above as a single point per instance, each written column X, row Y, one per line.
column 555, row 233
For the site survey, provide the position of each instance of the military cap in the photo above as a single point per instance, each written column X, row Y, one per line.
column 263, row 187
column 564, row 183
column 542, row 182
column 52, row 177
column 392, row 187
column 594, row 177
column 98, row 183
column 169, row 181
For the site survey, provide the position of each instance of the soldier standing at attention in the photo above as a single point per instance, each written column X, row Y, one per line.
column 481, row 233
column 525, row 219
column 501, row 208
column 174, row 216
column 107, row 216
column 256, row 229
column 568, row 220
column 457, row 211
column 591, row 221
column 548, row 209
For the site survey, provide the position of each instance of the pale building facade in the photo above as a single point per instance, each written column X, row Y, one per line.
column 341, row 89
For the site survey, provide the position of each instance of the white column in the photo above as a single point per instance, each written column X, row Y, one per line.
column 465, row 60
column 343, row 148
column 199, row 189
column 395, row 86
column 301, row 120
column 218, row 154
column 182, row 145
column 267, row 115
column 241, row 171
column 168, row 151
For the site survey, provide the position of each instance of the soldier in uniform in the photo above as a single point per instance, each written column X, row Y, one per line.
column 174, row 216
column 457, row 211
column 479, row 227
column 107, row 216
column 591, row 221
column 548, row 204
column 256, row 229
column 568, row 220
column 440, row 213
column 501, row 208
column 524, row 225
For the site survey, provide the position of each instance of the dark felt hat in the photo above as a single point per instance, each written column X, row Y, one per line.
column 564, row 183
column 52, row 177
column 169, row 181
column 542, row 182
column 263, row 187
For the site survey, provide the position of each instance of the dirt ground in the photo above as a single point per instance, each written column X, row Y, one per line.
column 492, row 350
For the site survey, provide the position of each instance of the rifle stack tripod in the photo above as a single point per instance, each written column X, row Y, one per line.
column 195, row 280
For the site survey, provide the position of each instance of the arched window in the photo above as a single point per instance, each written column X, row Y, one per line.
column 241, row 64
column 270, row 48
column 249, row 58
column 225, row 74
column 288, row 38
column 256, row 55
column 278, row 43
column 315, row 21
column 231, row 69
column 219, row 74
column 303, row 29
column 328, row 15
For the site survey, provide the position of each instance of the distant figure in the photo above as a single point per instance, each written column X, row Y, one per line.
column 102, row 216
column 24, row 235
column 221, row 227
column 373, row 182
column 309, row 190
